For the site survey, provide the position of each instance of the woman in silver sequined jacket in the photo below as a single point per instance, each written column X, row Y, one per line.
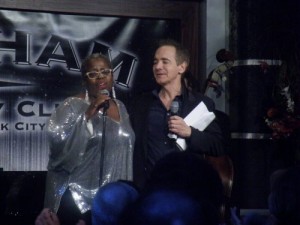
column 80, row 159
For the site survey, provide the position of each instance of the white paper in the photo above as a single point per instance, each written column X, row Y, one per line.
column 198, row 118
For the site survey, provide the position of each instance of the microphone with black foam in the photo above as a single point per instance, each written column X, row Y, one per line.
column 174, row 109
column 105, row 104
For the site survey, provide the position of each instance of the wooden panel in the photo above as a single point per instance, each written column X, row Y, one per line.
column 186, row 12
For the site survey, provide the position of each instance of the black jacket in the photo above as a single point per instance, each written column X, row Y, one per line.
column 209, row 142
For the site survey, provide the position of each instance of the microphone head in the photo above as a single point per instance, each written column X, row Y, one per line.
column 104, row 92
column 174, row 107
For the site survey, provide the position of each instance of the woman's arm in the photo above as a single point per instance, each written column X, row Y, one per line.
column 67, row 134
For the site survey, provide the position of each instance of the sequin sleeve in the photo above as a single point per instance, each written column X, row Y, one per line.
column 68, row 135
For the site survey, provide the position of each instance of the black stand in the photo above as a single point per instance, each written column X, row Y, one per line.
column 106, row 106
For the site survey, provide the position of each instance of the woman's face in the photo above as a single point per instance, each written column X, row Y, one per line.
column 94, row 86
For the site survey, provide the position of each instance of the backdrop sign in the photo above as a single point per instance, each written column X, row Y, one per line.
column 40, row 58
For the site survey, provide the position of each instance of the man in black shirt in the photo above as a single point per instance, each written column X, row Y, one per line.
column 151, row 115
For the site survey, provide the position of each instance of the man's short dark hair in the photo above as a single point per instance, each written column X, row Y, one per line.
column 182, row 54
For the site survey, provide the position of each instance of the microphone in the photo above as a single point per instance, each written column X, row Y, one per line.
column 105, row 104
column 104, row 92
column 174, row 111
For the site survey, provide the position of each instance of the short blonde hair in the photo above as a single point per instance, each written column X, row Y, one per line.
column 86, row 61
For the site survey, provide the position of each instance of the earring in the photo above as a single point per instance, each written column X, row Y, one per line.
column 113, row 92
column 86, row 96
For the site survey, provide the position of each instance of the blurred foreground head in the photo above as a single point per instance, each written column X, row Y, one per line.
column 183, row 189
column 284, row 198
column 110, row 202
column 189, row 173
column 170, row 207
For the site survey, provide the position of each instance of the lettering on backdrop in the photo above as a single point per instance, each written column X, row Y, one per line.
column 29, row 110
column 122, row 61
column 57, row 50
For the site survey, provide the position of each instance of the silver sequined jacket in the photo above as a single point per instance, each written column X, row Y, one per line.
column 74, row 159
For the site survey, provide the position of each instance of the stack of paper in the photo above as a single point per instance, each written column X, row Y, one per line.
column 198, row 118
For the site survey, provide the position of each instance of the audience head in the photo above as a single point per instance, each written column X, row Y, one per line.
column 189, row 173
column 284, row 198
column 170, row 207
column 111, row 200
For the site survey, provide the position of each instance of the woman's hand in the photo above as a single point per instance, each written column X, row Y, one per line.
column 96, row 105
column 99, row 101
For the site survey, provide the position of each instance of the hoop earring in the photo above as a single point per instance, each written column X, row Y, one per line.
column 113, row 92
column 86, row 98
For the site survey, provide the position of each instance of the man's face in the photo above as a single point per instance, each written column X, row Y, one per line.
column 165, row 68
